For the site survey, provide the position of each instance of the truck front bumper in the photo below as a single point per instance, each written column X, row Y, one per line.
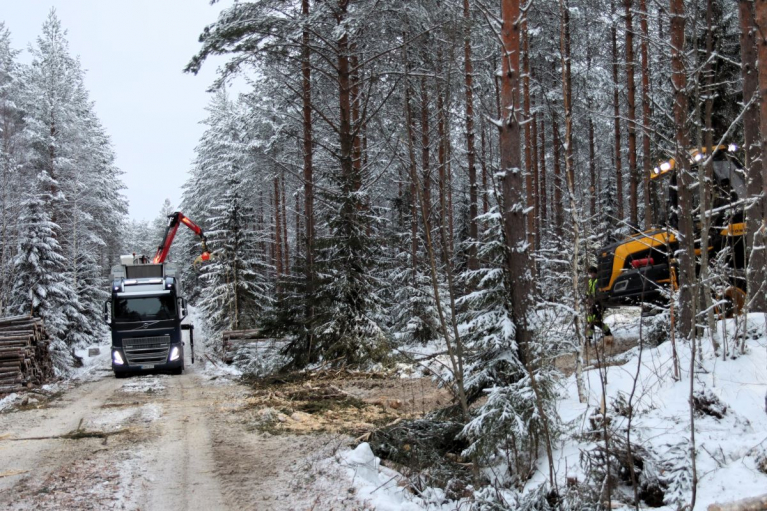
column 124, row 363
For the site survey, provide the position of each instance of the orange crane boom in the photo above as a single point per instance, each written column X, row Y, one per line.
column 176, row 219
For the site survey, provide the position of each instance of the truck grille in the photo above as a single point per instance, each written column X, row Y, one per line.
column 605, row 268
column 147, row 350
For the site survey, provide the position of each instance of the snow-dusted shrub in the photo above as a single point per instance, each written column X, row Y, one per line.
column 515, row 421
column 640, row 467
column 706, row 403
column 677, row 473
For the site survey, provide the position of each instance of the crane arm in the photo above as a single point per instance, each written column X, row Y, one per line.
column 176, row 219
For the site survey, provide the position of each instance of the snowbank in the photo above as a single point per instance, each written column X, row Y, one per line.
column 727, row 448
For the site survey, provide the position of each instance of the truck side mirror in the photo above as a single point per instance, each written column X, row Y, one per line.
column 107, row 312
column 182, row 309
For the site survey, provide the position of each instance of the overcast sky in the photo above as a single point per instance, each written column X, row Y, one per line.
column 133, row 52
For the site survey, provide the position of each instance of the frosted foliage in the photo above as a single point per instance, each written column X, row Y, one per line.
column 232, row 288
column 64, row 231
column 41, row 287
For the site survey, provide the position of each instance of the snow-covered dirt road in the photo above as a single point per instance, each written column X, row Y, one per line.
column 159, row 442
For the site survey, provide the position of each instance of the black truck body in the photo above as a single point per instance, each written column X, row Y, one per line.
column 145, row 313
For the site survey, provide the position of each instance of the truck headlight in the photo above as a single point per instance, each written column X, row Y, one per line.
column 117, row 358
column 174, row 354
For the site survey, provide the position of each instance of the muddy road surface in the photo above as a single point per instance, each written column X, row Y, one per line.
column 161, row 442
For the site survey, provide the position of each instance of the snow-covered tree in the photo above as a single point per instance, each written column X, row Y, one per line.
column 41, row 287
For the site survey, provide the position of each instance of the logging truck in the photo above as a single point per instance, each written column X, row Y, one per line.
column 146, row 309
column 638, row 267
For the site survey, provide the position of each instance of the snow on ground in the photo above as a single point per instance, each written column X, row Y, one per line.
column 728, row 449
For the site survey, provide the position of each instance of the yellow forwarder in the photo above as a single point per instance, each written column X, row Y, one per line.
column 635, row 269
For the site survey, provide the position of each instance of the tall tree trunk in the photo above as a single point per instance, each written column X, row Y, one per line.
column 514, row 201
column 306, row 79
column 757, row 272
column 558, row 185
column 412, row 166
column 345, row 134
column 617, row 115
column 277, row 227
column 356, row 100
column 685, row 188
column 632, row 134
column 646, row 158
column 536, row 177
column 760, row 12
column 592, row 147
column 297, row 239
column 470, row 155
column 512, row 182
column 567, row 96
column 543, row 202
column 425, row 145
column 483, row 163
column 528, row 133
column 442, row 163
column 285, row 240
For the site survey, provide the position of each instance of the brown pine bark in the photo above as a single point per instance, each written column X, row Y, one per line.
column 617, row 116
column 297, row 239
column 345, row 134
column 512, row 183
column 483, row 163
column 567, row 98
column 285, row 242
column 543, row 201
column 306, row 83
column 530, row 192
column 536, row 177
column 760, row 14
column 413, row 171
column 758, row 258
column 686, row 231
column 646, row 155
column 558, row 184
column 592, row 170
column 632, row 135
column 277, row 227
column 470, row 155
column 425, row 145
column 442, row 164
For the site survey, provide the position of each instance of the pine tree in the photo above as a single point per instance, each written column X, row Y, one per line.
column 12, row 142
column 41, row 287
column 235, row 289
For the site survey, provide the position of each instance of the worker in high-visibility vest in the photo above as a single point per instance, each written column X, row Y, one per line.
column 594, row 317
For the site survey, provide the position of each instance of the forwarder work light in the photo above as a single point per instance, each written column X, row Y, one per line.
column 696, row 156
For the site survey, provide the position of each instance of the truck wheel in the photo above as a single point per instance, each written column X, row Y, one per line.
column 177, row 371
column 121, row 375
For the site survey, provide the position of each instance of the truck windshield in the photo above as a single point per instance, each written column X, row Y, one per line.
column 146, row 308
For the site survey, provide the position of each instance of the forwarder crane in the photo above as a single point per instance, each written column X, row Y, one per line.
column 146, row 309
column 177, row 219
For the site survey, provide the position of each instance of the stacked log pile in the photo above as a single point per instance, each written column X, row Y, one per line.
column 24, row 356
column 232, row 340
column 252, row 353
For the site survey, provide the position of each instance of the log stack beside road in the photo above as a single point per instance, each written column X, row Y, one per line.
column 233, row 339
column 24, row 356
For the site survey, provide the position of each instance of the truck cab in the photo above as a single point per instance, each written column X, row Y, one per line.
column 144, row 314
